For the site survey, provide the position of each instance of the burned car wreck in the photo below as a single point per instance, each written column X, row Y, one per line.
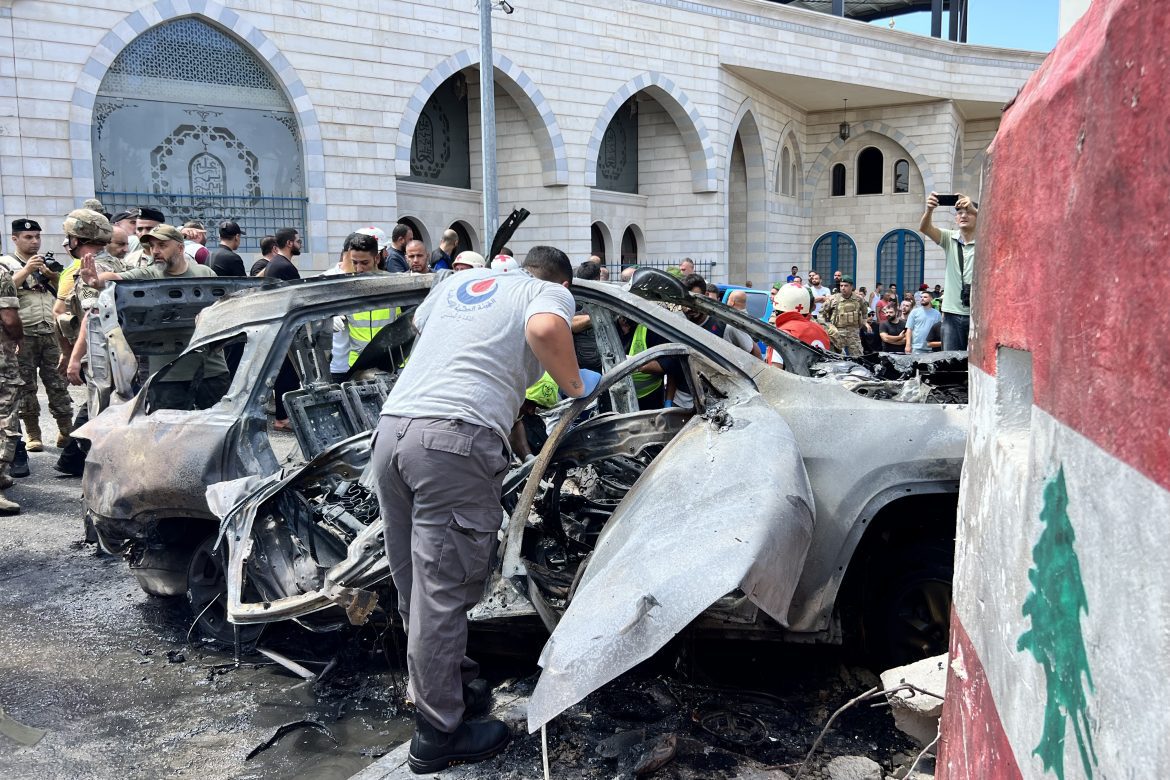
column 806, row 502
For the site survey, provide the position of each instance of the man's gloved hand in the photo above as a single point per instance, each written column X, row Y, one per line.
column 590, row 379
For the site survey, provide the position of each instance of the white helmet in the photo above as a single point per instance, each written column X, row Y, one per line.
column 505, row 263
column 793, row 298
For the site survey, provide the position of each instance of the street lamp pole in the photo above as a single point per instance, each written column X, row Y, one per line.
column 487, row 125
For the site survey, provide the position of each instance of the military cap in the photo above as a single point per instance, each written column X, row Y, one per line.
column 88, row 225
column 164, row 233
column 846, row 279
column 145, row 212
column 121, row 215
column 21, row 225
column 93, row 204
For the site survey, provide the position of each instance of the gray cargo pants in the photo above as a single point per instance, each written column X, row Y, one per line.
column 438, row 484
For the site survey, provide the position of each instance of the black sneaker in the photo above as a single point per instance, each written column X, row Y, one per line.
column 432, row 750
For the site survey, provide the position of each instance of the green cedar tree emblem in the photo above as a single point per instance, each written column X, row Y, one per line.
column 1055, row 640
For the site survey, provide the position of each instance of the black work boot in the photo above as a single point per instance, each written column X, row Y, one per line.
column 19, row 467
column 432, row 750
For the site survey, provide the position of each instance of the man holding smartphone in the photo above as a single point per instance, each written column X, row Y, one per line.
column 959, row 247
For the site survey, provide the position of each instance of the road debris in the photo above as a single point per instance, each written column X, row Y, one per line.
column 288, row 728
column 18, row 732
column 917, row 709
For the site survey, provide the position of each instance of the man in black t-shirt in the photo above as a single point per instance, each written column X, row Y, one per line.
column 288, row 246
column 224, row 260
column 893, row 331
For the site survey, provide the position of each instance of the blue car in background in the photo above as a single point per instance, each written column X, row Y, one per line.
column 759, row 304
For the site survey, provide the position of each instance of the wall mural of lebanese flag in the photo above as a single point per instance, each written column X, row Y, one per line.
column 1060, row 647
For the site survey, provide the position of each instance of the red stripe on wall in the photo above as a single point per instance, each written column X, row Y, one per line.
column 1074, row 234
column 973, row 744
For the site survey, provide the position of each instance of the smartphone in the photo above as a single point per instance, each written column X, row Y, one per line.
column 948, row 200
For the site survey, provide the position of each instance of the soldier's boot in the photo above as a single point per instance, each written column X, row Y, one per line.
column 8, row 507
column 64, row 428
column 19, row 467
column 5, row 480
column 32, row 432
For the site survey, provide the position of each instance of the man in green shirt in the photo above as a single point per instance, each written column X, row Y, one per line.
column 199, row 380
column 959, row 247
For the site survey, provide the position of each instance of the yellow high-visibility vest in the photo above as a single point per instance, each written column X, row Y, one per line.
column 644, row 384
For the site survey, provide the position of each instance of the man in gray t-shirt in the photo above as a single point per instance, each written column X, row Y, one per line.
column 439, row 457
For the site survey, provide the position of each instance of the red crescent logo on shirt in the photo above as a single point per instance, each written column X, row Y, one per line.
column 479, row 291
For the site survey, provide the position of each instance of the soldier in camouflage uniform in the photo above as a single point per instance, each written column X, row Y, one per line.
column 846, row 311
column 40, row 353
column 75, row 301
column 11, row 333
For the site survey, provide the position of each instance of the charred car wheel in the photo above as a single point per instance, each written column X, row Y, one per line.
column 909, row 616
column 207, row 596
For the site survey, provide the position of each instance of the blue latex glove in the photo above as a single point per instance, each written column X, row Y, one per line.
column 590, row 379
column 667, row 403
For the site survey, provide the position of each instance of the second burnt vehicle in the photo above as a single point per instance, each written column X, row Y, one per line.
column 800, row 503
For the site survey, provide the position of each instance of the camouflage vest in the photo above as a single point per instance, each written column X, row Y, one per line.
column 848, row 312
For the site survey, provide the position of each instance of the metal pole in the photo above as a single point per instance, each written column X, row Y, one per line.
column 936, row 11
column 487, row 125
column 838, row 7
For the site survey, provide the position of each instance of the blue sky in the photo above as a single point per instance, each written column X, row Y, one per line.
column 1015, row 24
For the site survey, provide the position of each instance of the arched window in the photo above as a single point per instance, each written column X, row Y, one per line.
column 901, row 176
column 838, row 188
column 440, row 151
column 834, row 252
column 900, row 259
column 869, row 171
column 617, row 159
column 786, row 172
column 629, row 247
column 792, row 177
column 465, row 242
column 190, row 121
column 597, row 240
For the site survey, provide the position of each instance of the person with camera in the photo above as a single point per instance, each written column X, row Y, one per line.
column 959, row 248
column 35, row 277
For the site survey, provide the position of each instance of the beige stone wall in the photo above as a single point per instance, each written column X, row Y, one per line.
column 355, row 75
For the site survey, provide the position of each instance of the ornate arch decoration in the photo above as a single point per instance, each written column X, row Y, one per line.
column 686, row 118
column 248, row 36
column 517, row 83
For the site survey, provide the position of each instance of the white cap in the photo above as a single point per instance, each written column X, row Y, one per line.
column 505, row 263
column 378, row 233
column 469, row 258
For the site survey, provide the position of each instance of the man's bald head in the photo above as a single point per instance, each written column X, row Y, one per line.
column 737, row 300
column 628, row 273
column 449, row 240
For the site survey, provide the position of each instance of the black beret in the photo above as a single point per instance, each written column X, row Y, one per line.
column 20, row 225
column 154, row 215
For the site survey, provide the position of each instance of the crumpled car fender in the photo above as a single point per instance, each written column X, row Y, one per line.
column 673, row 548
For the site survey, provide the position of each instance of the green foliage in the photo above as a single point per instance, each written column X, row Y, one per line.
column 1055, row 640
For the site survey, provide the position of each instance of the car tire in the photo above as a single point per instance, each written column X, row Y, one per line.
column 908, row 610
column 207, row 597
